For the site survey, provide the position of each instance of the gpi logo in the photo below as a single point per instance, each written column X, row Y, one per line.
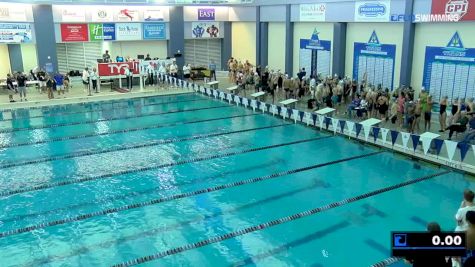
column 457, row 7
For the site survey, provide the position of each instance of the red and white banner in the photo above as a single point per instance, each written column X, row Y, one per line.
column 74, row 33
column 463, row 8
column 117, row 68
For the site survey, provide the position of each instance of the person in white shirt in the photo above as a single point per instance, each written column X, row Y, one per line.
column 313, row 86
column 465, row 206
column 173, row 69
column 94, row 76
column 151, row 73
column 163, row 71
column 187, row 72
column 85, row 79
column 128, row 76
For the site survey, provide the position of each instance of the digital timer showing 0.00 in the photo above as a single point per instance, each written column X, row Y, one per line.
column 448, row 240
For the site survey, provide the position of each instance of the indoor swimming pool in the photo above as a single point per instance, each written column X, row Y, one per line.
column 183, row 180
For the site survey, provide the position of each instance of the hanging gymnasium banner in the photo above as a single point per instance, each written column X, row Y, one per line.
column 16, row 33
column 74, row 33
column 312, row 12
column 125, row 14
column 374, row 62
column 450, row 71
column 315, row 55
column 205, row 30
column 102, row 14
column 73, row 14
column 155, row 14
column 128, row 31
column 102, row 32
column 206, row 14
column 13, row 12
column 464, row 9
column 373, row 11
column 154, row 31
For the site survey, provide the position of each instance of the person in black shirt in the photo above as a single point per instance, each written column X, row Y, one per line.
column 148, row 57
column 10, row 88
column 42, row 80
column 106, row 57
column 21, row 80
column 50, row 84
column 301, row 74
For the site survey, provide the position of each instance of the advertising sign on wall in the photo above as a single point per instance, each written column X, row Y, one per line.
column 102, row 14
column 450, row 71
column 463, row 8
column 205, row 30
column 128, row 31
column 312, row 12
column 12, row 13
column 102, row 31
column 125, row 14
column 153, row 15
column 315, row 55
column 74, row 33
column 15, row 33
column 117, row 68
column 372, row 10
column 374, row 62
column 154, row 31
column 206, row 14
column 73, row 14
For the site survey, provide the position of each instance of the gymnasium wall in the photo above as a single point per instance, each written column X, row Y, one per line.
column 276, row 46
column 244, row 41
column 29, row 57
column 5, row 59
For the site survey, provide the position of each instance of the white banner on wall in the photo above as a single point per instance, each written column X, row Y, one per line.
column 205, row 30
column 15, row 33
column 73, row 14
column 13, row 13
column 128, row 31
column 102, row 14
column 312, row 12
column 125, row 14
column 377, row 11
column 153, row 15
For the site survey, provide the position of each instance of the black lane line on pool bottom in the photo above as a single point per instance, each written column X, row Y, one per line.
column 153, row 167
column 272, row 223
column 177, row 196
column 123, row 131
column 108, row 119
column 58, row 114
column 99, row 101
column 140, row 145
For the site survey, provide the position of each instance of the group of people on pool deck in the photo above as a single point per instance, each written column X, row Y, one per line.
column 465, row 222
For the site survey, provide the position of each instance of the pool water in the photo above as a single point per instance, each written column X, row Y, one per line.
column 66, row 170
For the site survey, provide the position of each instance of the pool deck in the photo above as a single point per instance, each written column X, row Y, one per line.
column 77, row 95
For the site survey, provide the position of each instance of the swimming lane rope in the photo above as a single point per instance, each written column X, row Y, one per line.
column 272, row 223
